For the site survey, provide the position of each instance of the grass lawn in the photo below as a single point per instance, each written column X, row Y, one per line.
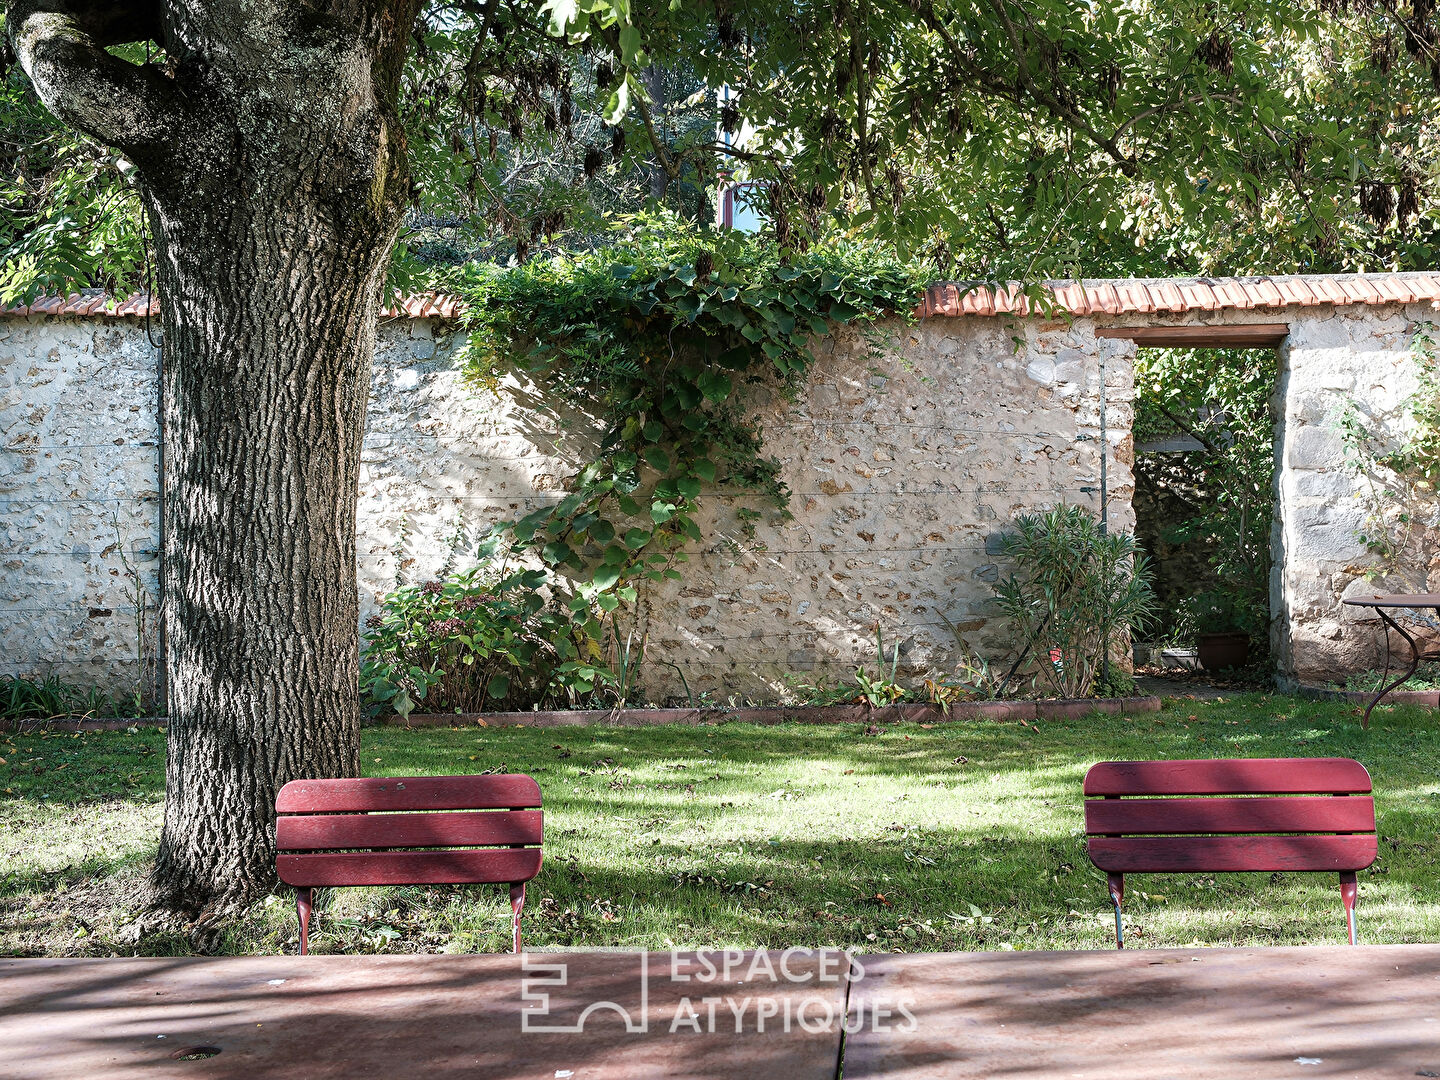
column 964, row 835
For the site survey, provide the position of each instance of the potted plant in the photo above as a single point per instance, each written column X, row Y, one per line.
column 1221, row 637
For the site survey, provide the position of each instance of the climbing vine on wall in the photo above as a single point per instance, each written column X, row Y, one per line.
column 659, row 337
column 1401, row 478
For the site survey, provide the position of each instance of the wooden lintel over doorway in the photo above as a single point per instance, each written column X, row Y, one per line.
column 1239, row 336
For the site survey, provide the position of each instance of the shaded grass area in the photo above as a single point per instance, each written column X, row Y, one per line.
column 963, row 835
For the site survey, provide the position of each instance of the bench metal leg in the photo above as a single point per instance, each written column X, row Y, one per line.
column 1347, row 897
column 517, row 904
column 303, row 900
column 1117, row 895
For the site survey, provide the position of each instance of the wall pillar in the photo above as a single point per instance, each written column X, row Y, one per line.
column 1323, row 508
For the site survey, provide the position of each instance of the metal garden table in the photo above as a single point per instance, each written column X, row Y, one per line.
column 1383, row 605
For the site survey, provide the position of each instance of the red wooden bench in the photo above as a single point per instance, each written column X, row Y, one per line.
column 418, row 830
column 1140, row 819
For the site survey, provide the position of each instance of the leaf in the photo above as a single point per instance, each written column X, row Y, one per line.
column 565, row 16
column 606, row 576
column 704, row 468
column 499, row 686
column 636, row 539
column 556, row 552
column 715, row 385
column 602, row 532
column 689, row 486
column 690, row 306
column 657, row 458
column 630, row 46
column 618, row 104
column 526, row 526
column 402, row 705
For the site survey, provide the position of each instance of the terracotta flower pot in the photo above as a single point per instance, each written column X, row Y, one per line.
column 1218, row 651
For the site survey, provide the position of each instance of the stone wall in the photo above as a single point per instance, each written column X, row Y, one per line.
column 907, row 453
column 79, row 500
column 1334, row 356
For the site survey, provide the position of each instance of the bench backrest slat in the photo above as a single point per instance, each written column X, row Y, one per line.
column 426, row 830
column 510, row 791
column 1247, row 776
column 472, row 866
column 1284, row 813
column 1227, row 854
column 333, row 832
column 1139, row 820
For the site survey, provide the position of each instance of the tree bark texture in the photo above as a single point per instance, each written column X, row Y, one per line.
column 272, row 168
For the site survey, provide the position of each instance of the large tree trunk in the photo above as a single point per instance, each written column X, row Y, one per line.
column 273, row 173
column 269, row 334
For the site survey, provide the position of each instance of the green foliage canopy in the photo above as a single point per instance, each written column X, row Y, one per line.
column 1225, row 489
column 997, row 137
column 1041, row 136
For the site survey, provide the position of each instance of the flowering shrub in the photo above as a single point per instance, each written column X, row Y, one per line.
column 1074, row 596
column 474, row 641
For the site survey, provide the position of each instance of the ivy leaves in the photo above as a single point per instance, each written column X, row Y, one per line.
column 657, row 338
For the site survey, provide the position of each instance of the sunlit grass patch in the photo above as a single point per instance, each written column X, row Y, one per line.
column 963, row 835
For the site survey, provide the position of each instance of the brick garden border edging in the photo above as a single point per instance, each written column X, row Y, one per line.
column 803, row 714
column 1054, row 709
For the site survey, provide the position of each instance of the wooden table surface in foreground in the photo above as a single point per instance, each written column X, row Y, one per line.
column 404, row 1017
column 1162, row 1014
column 1218, row 1014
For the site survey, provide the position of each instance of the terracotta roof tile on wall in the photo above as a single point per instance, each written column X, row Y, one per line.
column 89, row 303
column 1175, row 296
column 1142, row 296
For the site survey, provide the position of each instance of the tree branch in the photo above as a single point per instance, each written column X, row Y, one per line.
column 61, row 46
column 1057, row 108
column 1190, row 430
column 611, row 37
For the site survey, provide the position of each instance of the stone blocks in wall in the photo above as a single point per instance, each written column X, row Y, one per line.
column 901, row 467
column 904, row 467
column 79, row 497
column 1334, row 357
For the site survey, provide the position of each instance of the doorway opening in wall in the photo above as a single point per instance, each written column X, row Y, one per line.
column 1204, row 502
